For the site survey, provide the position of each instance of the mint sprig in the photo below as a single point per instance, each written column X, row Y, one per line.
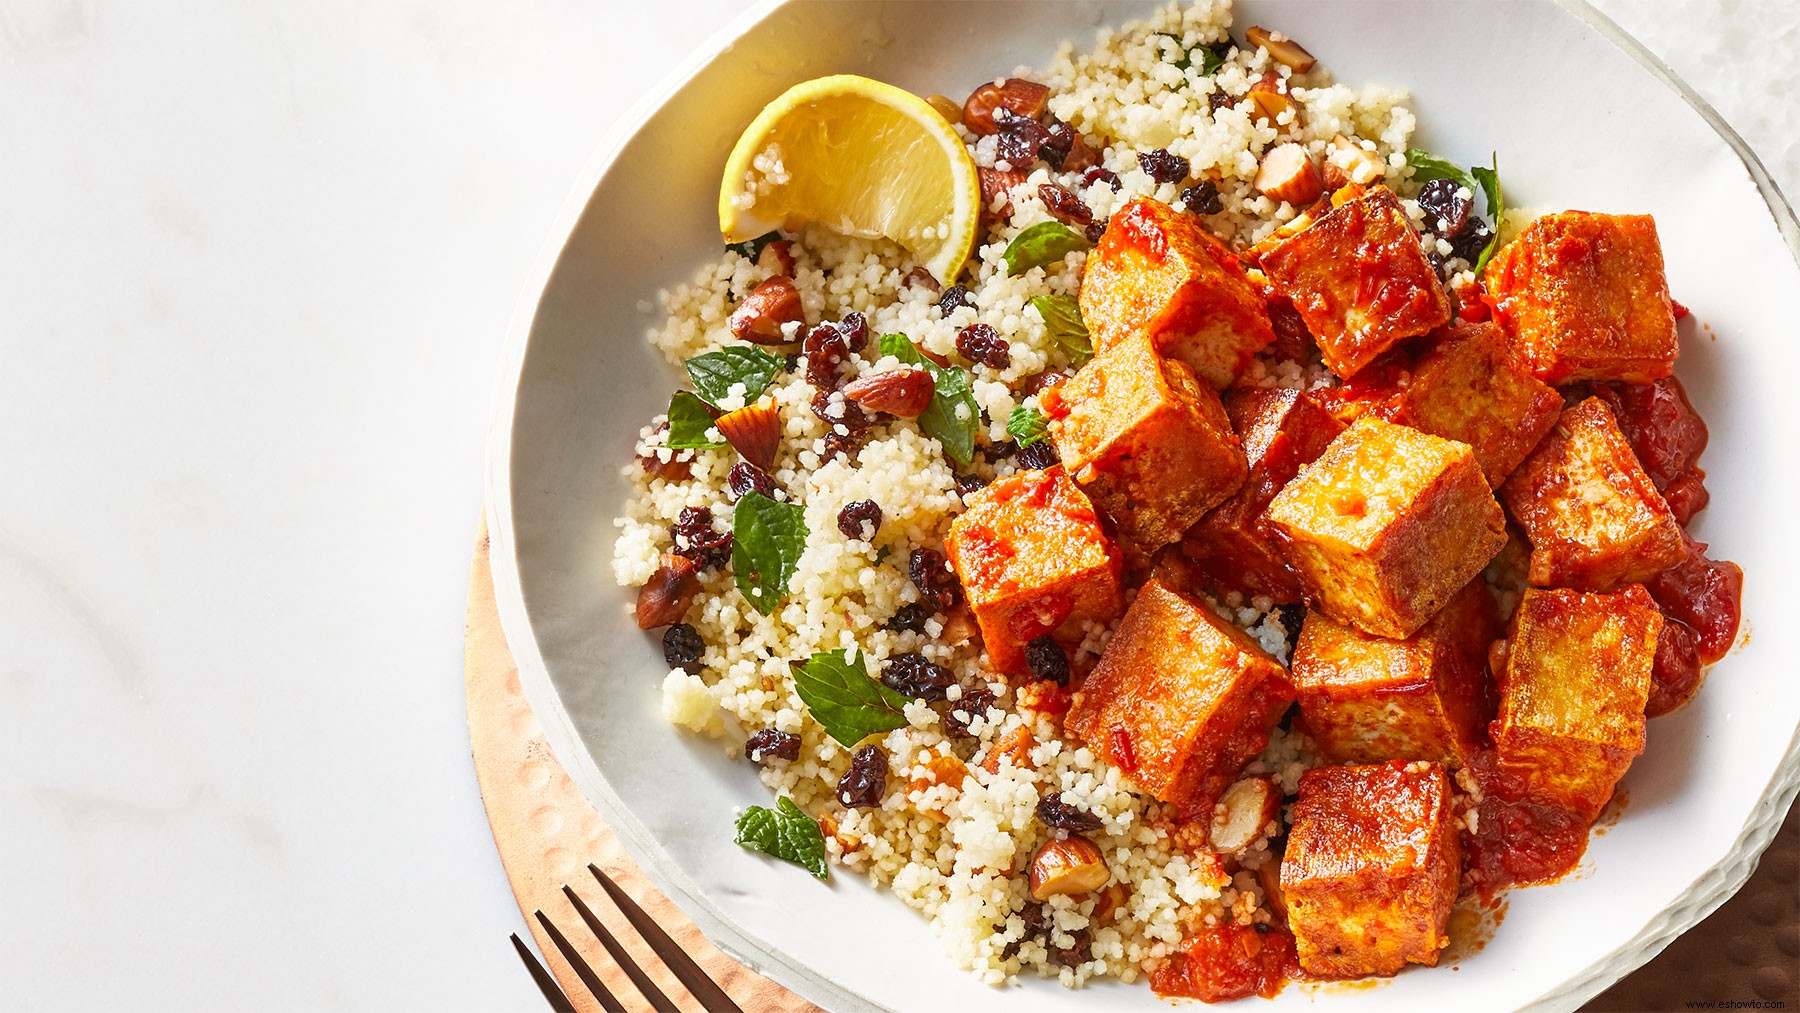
column 1027, row 425
column 767, row 539
column 689, row 421
column 842, row 698
column 1062, row 321
column 1041, row 244
column 714, row 373
column 785, row 832
column 953, row 414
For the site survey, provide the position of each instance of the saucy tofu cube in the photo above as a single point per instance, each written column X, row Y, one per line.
column 1359, row 277
column 1282, row 431
column 1146, row 441
column 1468, row 388
column 1032, row 557
column 1368, row 699
column 1180, row 700
column 1372, row 868
column 1387, row 525
column 1156, row 272
column 1583, row 297
column 1574, row 676
column 1594, row 518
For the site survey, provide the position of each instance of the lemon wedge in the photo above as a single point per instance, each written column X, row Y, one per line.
column 861, row 158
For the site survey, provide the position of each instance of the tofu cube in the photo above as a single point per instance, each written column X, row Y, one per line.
column 1574, row 678
column 1594, row 518
column 1468, row 388
column 1156, row 272
column 1180, row 700
column 1387, row 525
column 1583, row 297
column 1033, row 559
column 1282, row 431
column 1372, row 868
column 1368, row 699
column 1359, row 278
column 1148, row 443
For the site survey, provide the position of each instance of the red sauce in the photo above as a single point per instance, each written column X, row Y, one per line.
column 1666, row 434
column 1705, row 594
column 1228, row 962
column 1676, row 674
column 1518, row 839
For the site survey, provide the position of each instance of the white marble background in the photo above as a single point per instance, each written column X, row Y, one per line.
column 256, row 260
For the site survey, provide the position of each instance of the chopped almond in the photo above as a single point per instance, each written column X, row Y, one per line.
column 1285, row 51
column 753, row 431
column 1358, row 164
column 1288, row 174
column 1242, row 812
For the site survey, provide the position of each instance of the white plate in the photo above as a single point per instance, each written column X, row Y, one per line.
column 1581, row 118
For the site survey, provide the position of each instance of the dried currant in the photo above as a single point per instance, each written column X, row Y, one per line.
column 1100, row 174
column 682, row 648
column 967, row 485
column 1445, row 206
column 1038, row 456
column 826, row 352
column 772, row 744
column 1077, row 954
column 953, row 297
column 1219, row 100
column 1203, row 198
column 1020, row 139
column 865, row 782
column 913, row 675
column 1474, row 239
column 1063, row 205
column 1163, row 165
column 974, row 703
column 745, row 478
column 860, row 520
column 981, row 343
column 1059, row 141
column 938, row 587
column 910, row 619
column 1046, row 660
column 1054, row 812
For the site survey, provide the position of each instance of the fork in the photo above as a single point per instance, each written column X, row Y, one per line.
column 678, row 963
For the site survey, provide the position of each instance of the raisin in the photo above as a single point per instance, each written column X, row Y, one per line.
column 826, row 351
column 1077, row 954
column 1094, row 231
column 1219, row 100
column 772, row 744
column 954, row 296
column 1100, row 174
column 1020, row 139
column 910, row 619
column 842, row 445
column 938, row 587
column 854, row 329
column 860, row 520
column 1054, row 812
column 1038, row 456
column 682, row 647
column 1163, row 165
column 866, row 781
column 967, row 485
column 1063, row 205
column 1036, row 918
column 1292, row 618
column 1046, row 660
column 1000, row 451
column 916, row 677
column 1446, row 209
column 981, row 343
column 1473, row 241
column 1058, row 143
column 1037, row 383
column 695, row 538
column 973, row 702
column 1203, row 198
column 840, row 411
column 745, row 477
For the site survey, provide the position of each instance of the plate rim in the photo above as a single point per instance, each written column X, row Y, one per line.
column 1699, row 899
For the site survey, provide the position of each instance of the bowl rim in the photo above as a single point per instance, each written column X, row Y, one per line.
column 1699, row 899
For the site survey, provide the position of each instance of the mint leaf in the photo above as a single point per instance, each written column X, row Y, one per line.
column 942, row 421
column 785, row 832
column 1041, row 244
column 1026, row 425
column 1182, row 62
column 842, row 698
column 1496, row 206
column 715, row 372
column 689, row 419
column 1062, row 320
column 767, row 539
column 1427, row 167
column 751, row 249
column 1213, row 57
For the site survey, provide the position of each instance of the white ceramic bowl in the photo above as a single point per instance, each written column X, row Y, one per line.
column 1581, row 118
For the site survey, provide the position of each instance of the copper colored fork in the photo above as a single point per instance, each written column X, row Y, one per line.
column 705, row 992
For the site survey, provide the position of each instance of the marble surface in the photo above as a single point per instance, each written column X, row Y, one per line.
column 257, row 261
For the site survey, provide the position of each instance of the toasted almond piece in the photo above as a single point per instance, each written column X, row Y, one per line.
column 1241, row 813
column 995, row 186
column 665, row 597
column 1288, row 174
column 1270, row 878
column 1110, row 901
column 777, row 258
column 1015, row 94
column 1016, row 745
column 754, row 431
column 959, row 627
column 946, row 107
column 905, row 392
column 760, row 314
column 1286, row 51
column 1359, row 164
column 1070, row 866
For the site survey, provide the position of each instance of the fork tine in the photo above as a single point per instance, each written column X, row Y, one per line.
column 679, row 963
column 645, row 987
column 546, row 984
column 573, row 956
